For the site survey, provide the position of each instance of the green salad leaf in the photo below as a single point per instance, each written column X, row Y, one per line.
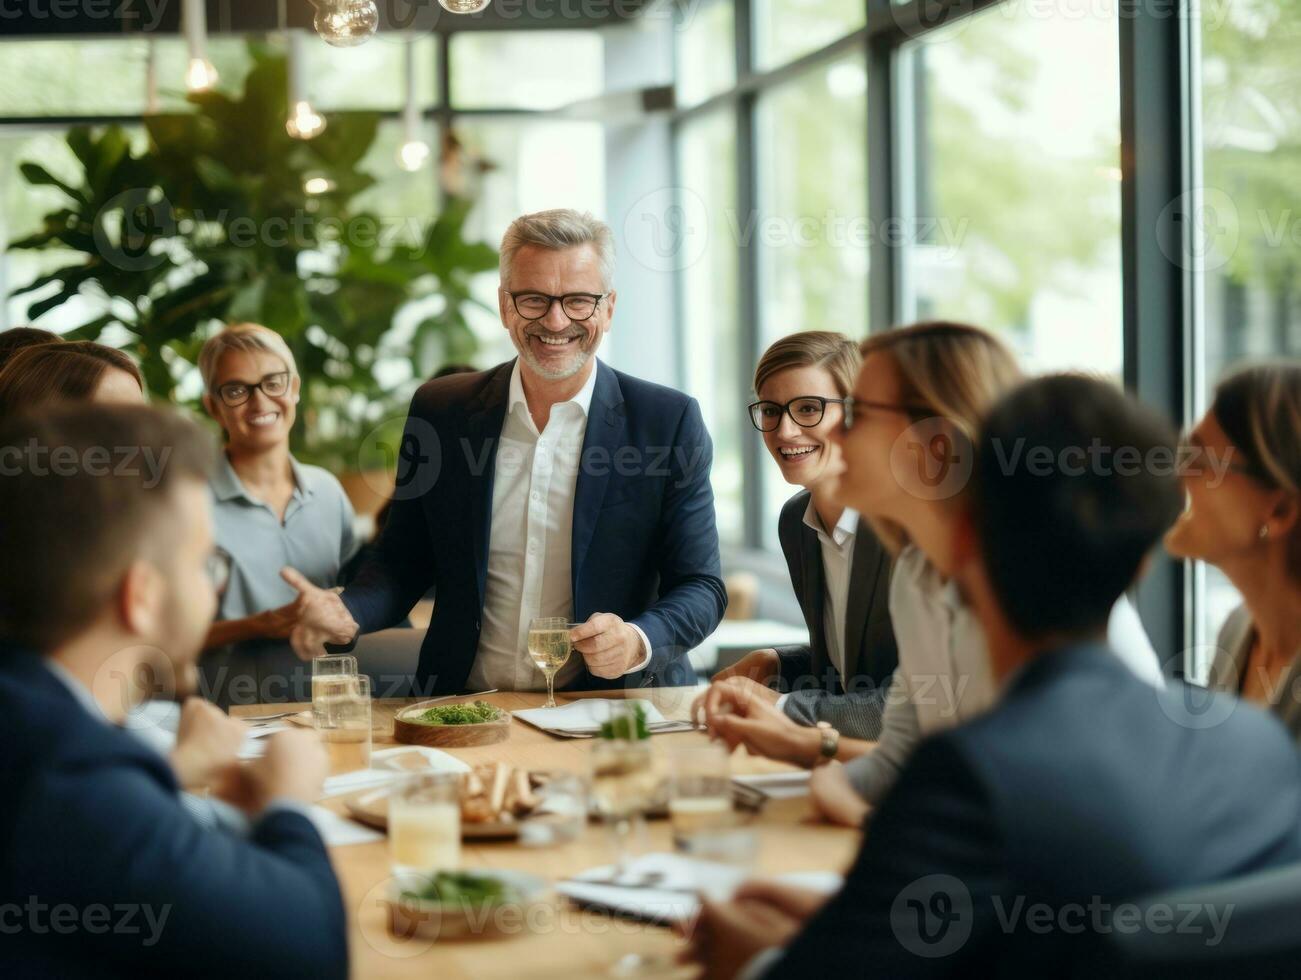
column 628, row 728
column 466, row 889
column 474, row 713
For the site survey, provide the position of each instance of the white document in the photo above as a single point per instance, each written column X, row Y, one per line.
column 583, row 714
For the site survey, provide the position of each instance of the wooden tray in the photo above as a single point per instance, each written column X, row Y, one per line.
column 370, row 806
column 447, row 736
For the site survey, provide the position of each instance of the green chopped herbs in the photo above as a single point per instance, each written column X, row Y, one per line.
column 475, row 713
column 464, row 889
column 629, row 728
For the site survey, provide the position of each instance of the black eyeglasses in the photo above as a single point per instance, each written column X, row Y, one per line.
column 806, row 412
column 577, row 306
column 856, row 408
column 234, row 393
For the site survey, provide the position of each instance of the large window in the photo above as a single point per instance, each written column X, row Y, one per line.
column 525, row 69
column 1016, row 183
column 787, row 29
column 514, row 165
column 707, row 161
column 1247, row 233
column 811, row 228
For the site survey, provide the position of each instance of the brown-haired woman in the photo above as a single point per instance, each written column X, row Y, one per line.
column 1242, row 474
column 840, row 571
column 73, row 371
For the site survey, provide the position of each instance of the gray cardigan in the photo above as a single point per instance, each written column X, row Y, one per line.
column 1233, row 648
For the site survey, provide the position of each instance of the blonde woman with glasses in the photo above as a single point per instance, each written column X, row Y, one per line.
column 280, row 521
column 1242, row 476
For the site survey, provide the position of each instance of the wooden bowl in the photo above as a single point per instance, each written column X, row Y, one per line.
column 447, row 736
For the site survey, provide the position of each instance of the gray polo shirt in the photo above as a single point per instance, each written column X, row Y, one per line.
column 316, row 538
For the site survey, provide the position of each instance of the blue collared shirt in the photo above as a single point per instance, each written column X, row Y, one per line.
column 316, row 537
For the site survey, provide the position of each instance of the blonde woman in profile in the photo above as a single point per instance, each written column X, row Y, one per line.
column 1246, row 521
column 840, row 571
column 910, row 422
column 280, row 521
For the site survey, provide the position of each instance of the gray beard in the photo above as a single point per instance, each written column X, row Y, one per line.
column 580, row 359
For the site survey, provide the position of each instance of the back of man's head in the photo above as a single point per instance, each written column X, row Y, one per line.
column 85, row 491
column 1074, row 483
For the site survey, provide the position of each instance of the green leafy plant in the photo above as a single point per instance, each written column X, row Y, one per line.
column 223, row 218
column 629, row 727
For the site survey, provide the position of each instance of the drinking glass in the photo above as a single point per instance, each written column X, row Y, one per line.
column 549, row 648
column 623, row 779
column 350, row 734
column 561, row 813
column 424, row 823
column 700, row 790
column 331, row 677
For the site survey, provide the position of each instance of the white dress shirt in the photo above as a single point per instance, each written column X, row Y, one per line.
column 529, row 545
column 944, row 675
column 837, row 561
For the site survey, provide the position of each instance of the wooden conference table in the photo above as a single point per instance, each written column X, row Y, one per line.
column 570, row 942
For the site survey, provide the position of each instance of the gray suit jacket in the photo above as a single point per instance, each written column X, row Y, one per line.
column 854, row 703
column 1233, row 648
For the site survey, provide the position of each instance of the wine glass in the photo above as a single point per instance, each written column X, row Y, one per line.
column 549, row 648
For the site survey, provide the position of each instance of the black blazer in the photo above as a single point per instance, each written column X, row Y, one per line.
column 1083, row 787
column 871, row 654
column 645, row 543
column 92, row 818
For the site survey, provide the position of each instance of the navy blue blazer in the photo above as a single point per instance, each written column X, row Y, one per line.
column 91, row 824
column 644, row 546
column 1082, row 788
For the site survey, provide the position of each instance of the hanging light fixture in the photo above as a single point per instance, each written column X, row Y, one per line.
column 463, row 6
column 200, row 76
column 304, row 122
column 345, row 23
column 414, row 151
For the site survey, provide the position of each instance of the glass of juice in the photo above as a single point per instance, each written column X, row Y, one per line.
column 549, row 649
column 424, row 823
column 349, row 736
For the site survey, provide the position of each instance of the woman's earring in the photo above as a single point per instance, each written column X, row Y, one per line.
column 1264, row 531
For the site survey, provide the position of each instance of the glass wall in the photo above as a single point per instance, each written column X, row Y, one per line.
column 709, row 297
column 1247, row 235
column 1015, row 220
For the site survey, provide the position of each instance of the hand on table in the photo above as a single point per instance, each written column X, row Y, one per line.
column 207, row 743
column 727, row 935
column 609, row 646
column 320, row 617
column 834, row 797
column 293, row 767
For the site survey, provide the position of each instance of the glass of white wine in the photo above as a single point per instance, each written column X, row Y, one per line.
column 549, row 648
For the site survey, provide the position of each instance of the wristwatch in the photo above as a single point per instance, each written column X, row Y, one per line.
column 830, row 743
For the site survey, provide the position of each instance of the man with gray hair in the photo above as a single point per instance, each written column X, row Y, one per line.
column 548, row 486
